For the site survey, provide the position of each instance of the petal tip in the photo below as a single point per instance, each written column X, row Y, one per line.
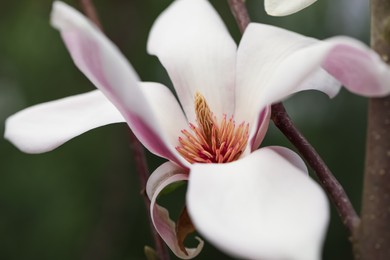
column 59, row 10
column 65, row 17
column 357, row 67
column 285, row 7
column 17, row 138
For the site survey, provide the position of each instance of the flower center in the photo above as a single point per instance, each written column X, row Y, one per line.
column 210, row 142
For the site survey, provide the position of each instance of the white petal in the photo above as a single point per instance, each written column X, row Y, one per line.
column 297, row 63
column 161, row 174
column 101, row 61
column 355, row 65
column 258, row 132
column 164, row 175
column 285, row 7
column 259, row 207
column 46, row 126
column 290, row 156
column 195, row 47
column 349, row 61
column 169, row 117
column 262, row 50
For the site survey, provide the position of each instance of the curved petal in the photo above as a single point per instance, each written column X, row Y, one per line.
column 261, row 128
column 290, row 156
column 169, row 117
column 101, row 61
column 196, row 49
column 353, row 64
column 44, row 127
column 164, row 175
column 274, row 63
column 259, row 207
column 262, row 50
column 285, row 7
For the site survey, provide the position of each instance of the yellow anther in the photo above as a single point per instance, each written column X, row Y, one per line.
column 204, row 116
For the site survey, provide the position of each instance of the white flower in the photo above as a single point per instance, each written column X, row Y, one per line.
column 257, row 203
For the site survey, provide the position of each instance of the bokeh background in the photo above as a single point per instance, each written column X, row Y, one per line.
column 82, row 201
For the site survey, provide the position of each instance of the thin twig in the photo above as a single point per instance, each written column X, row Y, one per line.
column 240, row 13
column 142, row 169
column 90, row 11
column 286, row 126
column 327, row 179
column 138, row 150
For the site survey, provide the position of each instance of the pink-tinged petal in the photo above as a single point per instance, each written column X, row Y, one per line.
column 261, row 128
column 44, row 127
column 164, row 175
column 262, row 50
column 101, row 61
column 350, row 62
column 199, row 54
column 285, row 7
column 169, row 117
column 355, row 65
column 311, row 64
column 273, row 63
column 259, row 207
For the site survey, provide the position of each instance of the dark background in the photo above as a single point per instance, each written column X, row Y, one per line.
column 82, row 201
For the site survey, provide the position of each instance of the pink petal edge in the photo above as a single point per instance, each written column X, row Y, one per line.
column 357, row 67
column 101, row 61
column 163, row 176
column 261, row 128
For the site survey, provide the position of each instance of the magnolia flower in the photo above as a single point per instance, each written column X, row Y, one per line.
column 249, row 202
column 285, row 7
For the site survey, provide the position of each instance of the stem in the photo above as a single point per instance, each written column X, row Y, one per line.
column 327, row 179
column 286, row 126
column 373, row 241
column 138, row 150
column 142, row 170
column 240, row 13
column 90, row 11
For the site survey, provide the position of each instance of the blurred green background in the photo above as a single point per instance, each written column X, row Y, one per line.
column 82, row 201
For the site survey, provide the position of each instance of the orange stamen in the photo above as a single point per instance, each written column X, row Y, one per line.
column 210, row 142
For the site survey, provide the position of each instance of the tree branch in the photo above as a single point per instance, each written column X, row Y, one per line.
column 327, row 179
column 240, row 13
column 89, row 10
column 286, row 126
column 373, row 241
column 142, row 170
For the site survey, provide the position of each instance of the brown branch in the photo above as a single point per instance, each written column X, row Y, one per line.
column 327, row 179
column 240, row 13
column 373, row 239
column 286, row 126
column 90, row 11
column 142, row 169
column 138, row 150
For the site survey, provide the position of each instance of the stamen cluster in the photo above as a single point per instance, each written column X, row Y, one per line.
column 210, row 142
